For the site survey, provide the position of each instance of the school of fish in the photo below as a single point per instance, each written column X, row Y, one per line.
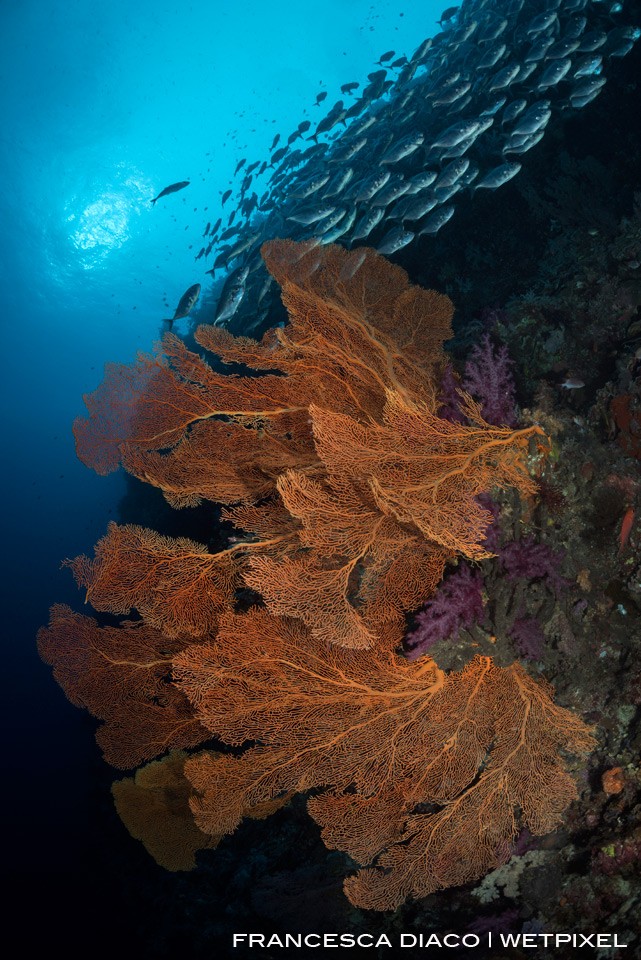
column 387, row 168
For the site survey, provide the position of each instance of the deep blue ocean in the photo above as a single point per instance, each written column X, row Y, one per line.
column 103, row 105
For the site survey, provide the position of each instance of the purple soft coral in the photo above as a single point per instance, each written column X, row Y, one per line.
column 488, row 377
column 458, row 603
column 528, row 560
column 527, row 635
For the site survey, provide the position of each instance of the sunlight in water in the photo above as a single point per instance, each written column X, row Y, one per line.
column 105, row 224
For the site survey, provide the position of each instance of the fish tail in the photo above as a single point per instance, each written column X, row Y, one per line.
column 154, row 200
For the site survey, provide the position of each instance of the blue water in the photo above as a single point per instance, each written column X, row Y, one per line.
column 102, row 105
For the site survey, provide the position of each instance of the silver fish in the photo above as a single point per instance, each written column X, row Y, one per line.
column 371, row 186
column 451, row 173
column 456, row 133
column 554, row 73
column 435, row 220
column 403, row 148
column 232, row 293
column 504, row 77
column 419, row 206
column 452, row 94
column 420, row 181
column 588, row 67
column 492, row 57
column 310, row 186
column 538, row 49
column 185, row 304
column 312, row 214
column 498, row 176
column 367, row 223
column 541, row 22
column 395, row 239
column 523, row 145
column 513, row 110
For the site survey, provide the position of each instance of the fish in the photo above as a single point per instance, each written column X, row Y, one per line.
column 367, row 223
column 455, row 133
column 225, row 197
column 311, row 214
column 448, row 14
column 369, row 187
column 403, row 148
column 239, row 165
column 172, row 188
column 626, row 528
column 554, row 73
column 435, row 220
column 452, row 94
column 231, row 296
column 498, row 176
column 185, row 304
column 451, row 173
column 310, row 186
column 589, row 66
column 481, row 93
column 395, row 239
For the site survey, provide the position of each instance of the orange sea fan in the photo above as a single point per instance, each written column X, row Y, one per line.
column 350, row 495
column 344, row 435
column 424, row 777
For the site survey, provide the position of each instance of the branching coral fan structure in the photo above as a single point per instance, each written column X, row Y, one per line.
column 351, row 495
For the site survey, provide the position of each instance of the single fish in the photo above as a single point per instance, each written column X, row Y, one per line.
column 232, row 293
column 320, row 97
column 395, row 239
column 554, row 73
column 451, row 173
column 504, row 77
column 593, row 41
column 172, row 188
column 435, row 220
column 406, row 146
column 572, row 383
column 447, row 15
column 185, row 304
column 498, row 176
column 451, row 94
column 562, row 48
column 626, row 528
column 453, row 135
column 367, row 223
column 541, row 22
column 312, row 214
column 492, row 57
